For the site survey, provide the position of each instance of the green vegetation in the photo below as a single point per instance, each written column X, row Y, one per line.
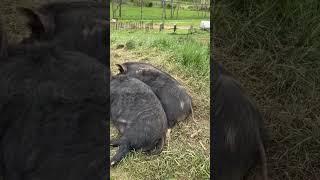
column 273, row 47
column 184, row 50
column 184, row 23
column 186, row 58
column 130, row 12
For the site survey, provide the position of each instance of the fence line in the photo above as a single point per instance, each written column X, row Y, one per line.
column 140, row 25
column 131, row 25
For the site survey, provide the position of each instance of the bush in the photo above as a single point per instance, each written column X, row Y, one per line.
column 169, row 6
column 130, row 44
column 192, row 8
column 150, row 4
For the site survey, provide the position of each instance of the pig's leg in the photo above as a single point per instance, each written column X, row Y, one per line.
column 159, row 147
column 168, row 137
column 115, row 142
column 121, row 153
column 263, row 158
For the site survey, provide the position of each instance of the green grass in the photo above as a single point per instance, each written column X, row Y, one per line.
column 272, row 47
column 130, row 12
column 185, row 50
column 185, row 23
column 186, row 59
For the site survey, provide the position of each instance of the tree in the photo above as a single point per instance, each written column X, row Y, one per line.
column 114, row 8
column 196, row 5
column 120, row 4
column 178, row 7
column 164, row 16
column 171, row 15
column 141, row 4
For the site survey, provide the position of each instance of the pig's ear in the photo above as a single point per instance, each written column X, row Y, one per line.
column 38, row 23
column 3, row 40
column 122, row 68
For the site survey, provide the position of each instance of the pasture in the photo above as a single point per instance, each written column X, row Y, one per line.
column 130, row 12
column 186, row 17
column 186, row 58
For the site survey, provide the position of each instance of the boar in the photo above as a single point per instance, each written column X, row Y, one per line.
column 175, row 100
column 239, row 134
column 138, row 115
column 79, row 26
column 53, row 109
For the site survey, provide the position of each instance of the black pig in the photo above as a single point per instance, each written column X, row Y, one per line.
column 238, row 129
column 175, row 100
column 53, row 107
column 138, row 115
column 80, row 26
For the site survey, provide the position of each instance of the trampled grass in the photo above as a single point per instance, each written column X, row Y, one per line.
column 187, row 60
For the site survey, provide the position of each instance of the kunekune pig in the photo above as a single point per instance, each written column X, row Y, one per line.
column 238, row 129
column 138, row 115
column 175, row 100
column 80, row 26
column 53, row 110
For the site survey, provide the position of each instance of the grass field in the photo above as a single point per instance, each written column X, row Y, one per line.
column 187, row 59
column 130, row 12
column 180, row 23
column 186, row 18
column 273, row 48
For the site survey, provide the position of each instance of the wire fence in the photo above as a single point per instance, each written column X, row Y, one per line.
column 132, row 25
column 147, row 26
